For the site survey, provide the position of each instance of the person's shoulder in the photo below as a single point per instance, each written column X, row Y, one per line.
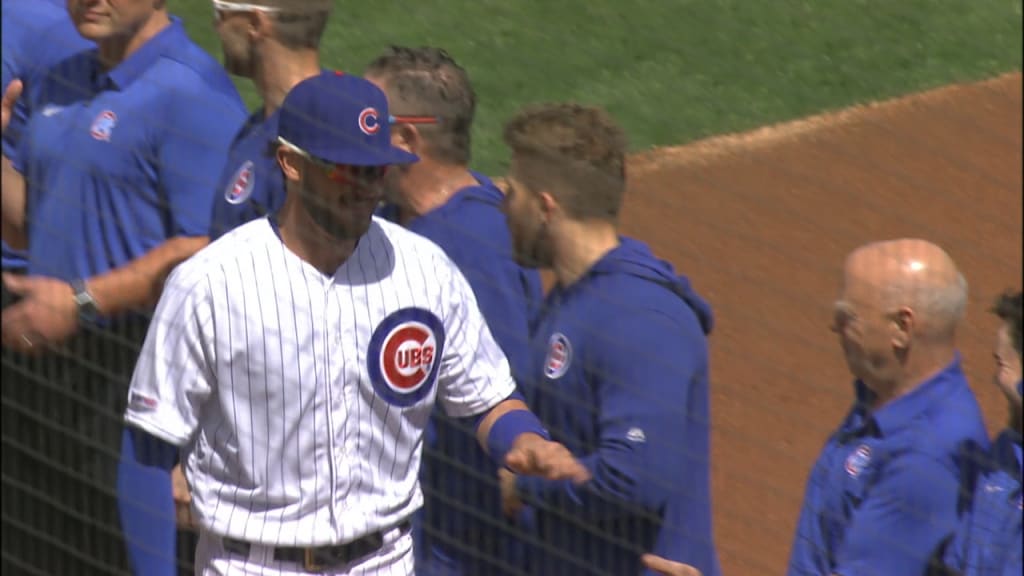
column 184, row 77
column 409, row 245
column 640, row 300
column 951, row 432
column 25, row 19
column 467, row 229
column 38, row 35
column 188, row 71
column 238, row 245
column 402, row 237
column 957, row 415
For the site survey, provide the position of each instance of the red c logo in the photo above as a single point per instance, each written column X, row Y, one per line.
column 368, row 121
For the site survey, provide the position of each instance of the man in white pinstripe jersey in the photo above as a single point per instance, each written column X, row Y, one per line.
column 296, row 360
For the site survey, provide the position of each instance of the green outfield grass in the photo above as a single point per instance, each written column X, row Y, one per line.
column 677, row 70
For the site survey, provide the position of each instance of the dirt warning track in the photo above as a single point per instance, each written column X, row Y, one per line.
column 761, row 222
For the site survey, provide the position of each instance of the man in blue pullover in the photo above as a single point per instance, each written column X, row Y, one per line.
column 439, row 197
column 989, row 540
column 620, row 360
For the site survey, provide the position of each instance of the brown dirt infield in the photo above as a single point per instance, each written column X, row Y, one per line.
column 761, row 222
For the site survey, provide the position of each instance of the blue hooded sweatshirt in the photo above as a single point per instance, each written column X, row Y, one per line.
column 621, row 378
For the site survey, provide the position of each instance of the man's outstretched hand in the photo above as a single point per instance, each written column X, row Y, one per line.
column 532, row 455
column 668, row 567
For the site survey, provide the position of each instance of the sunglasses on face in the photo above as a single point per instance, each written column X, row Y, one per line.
column 223, row 7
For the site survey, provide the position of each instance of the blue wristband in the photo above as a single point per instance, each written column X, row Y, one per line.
column 507, row 428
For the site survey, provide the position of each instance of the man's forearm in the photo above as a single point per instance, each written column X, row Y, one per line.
column 139, row 283
column 13, row 206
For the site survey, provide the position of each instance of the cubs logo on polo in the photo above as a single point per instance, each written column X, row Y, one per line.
column 103, row 125
column 858, row 460
column 242, row 183
column 369, row 121
column 559, row 356
column 404, row 356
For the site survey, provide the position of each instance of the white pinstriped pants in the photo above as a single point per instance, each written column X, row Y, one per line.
column 395, row 558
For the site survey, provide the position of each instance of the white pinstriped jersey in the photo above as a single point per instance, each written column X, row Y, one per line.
column 300, row 399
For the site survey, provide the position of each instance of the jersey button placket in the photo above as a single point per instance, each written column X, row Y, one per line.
column 340, row 357
column 330, row 360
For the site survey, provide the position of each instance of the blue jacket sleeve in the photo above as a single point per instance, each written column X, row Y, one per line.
column 649, row 377
column 191, row 156
column 901, row 523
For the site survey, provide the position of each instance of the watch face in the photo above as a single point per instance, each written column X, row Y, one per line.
column 86, row 305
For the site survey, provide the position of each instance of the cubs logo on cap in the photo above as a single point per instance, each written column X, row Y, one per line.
column 369, row 121
column 242, row 183
column 858, row 460
column 559, row 356
column 404, row 356
column 103, row 125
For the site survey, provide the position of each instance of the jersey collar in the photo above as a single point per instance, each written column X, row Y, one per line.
column 133, row 67
column 903, row 411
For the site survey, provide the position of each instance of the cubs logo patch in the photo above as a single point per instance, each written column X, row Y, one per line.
column 103, row 125
column 858, row 460
column 369, row 121
column 559, row 356
column 242, row 183
column 404, row 356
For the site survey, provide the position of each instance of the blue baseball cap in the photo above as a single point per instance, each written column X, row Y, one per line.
column 342, row 119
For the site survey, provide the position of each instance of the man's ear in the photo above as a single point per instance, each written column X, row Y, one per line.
column 549, row 207
column 407, row 137
column 260, row 26
column 290, row 163
column 903, row 323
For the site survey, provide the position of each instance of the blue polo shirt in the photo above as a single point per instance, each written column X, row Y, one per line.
column 37, row 34
column 884, row 491
column 472, row 538
column 989, row 542
column 117, row 162
column 621, row 378
column 251, row 185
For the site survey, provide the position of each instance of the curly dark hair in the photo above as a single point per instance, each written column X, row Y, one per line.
column 1008, row 307
column 427, row 81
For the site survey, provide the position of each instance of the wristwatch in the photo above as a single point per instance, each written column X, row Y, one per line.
column 88, row 312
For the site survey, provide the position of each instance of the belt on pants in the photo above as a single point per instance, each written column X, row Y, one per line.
column 320, row 558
